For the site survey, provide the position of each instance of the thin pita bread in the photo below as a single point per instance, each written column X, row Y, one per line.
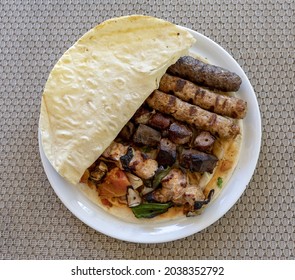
column 99, row 83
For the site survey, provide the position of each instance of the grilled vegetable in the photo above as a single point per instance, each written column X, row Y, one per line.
column 135, row 181
column 150, row 210
column 199, row 204
column 133, row 197
column 161, row 173
column 126, row 159
column 99, row 172
column 115, row 184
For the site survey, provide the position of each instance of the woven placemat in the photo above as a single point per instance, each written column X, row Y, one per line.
column 34, row 224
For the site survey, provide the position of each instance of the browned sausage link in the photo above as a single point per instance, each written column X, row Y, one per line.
column 224, row 105
column 192, row 114
column 208, row 75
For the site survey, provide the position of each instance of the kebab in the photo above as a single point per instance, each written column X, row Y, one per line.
column 141, row 142
column 224, row 105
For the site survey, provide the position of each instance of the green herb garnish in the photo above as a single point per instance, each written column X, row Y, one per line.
column 219, row 182
column 150, row 210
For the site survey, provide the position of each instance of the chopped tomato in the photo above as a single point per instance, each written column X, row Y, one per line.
column 115, row 184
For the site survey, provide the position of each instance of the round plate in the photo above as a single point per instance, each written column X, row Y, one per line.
column 98, row 219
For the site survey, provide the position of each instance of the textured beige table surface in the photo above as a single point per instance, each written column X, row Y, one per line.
column 34, row 224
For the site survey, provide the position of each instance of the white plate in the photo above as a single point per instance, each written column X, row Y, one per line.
column 98, row 219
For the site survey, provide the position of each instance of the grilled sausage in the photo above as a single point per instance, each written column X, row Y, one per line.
column 224, row 105
column 204, row 74
column 182, row 111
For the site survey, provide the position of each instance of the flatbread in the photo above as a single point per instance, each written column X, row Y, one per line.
column 99, row 83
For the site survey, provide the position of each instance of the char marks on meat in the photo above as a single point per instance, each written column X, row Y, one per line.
column 159, row 121
column 167, row 153
column 211, row 76
column 204, row 142
column 130, row 159
column 177, row 188
column 173, row 186
column 197, row 161
column 145, row 135
column 193, row 115
column 221, row 104
column 179, row 133
column 144, row 168
column 142, row 115
column 127, row 131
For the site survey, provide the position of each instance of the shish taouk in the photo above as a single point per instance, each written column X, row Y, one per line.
column 178, row 189
column 144, row 168
column 223, row 105
column 192, row 114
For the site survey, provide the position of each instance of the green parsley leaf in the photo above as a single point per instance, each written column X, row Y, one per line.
column 219, row 182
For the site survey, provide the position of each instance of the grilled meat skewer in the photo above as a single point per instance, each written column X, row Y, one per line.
column 208, row 75
column 224, row 105
column 192, row 114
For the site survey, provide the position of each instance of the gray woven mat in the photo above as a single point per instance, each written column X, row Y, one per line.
column 34, row 222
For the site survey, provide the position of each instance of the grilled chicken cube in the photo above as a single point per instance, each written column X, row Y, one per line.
column 179, row 133
column 144, row 168
column 146, row 135
column 115, row 151
column 176, row 188
column 204, row 142
column 197, row 161
column 167, row 153
column 173, row 187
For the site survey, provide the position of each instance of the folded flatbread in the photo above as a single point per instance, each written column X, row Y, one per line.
column 99, row 83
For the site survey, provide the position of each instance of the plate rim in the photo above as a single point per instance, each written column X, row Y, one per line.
column 159, row 235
